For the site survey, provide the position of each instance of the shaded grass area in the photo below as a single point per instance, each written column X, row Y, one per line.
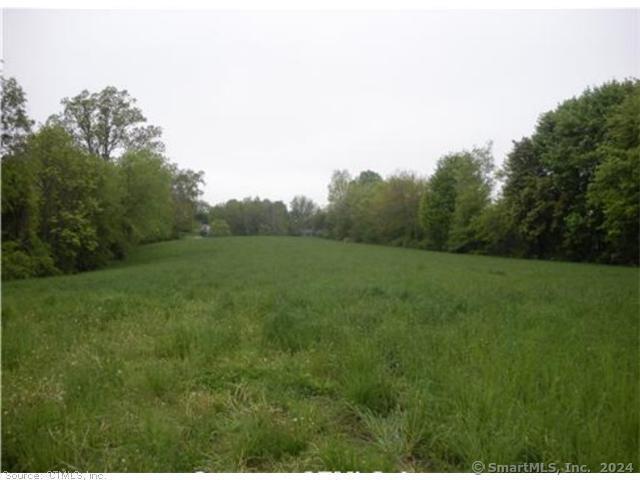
column 297, row 354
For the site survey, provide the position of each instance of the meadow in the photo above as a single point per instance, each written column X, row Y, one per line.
column 302, row 354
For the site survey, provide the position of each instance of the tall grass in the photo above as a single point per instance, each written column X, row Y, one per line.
column 297, row 354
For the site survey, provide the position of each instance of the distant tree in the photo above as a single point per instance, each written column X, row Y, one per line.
column 253, row 216
column 220, row 228
column 202, row 209
column 368, row 177
column 359, row 207
column 16, row 125
column 186, row 191
column 395, row 209
column 474, row 183
column 338, row 219
column 108, row 121
column 340, row 180
column 457, row 192
column 319, row 222
column 273, row 218
column 301, row 214
column 349, row 214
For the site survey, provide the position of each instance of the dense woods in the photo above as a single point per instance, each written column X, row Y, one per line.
column 93, row 181
column 570, row 191
column 86, row 186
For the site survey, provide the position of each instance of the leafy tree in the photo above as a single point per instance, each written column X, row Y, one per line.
column 186, row 190
column 615, row 189
column 70, row 200
column 455, row 195
column 148, row 196
column 253, row 216
column 438, row 203
column 19, row 199
column 337, row 214
column 16, row 125
column 220, row 228
column 473, row 194
column 23, row 253
column 108, row 121
column 395, row 209
column 368, row 177
column 339, row 185
column 350, row 213
column 301, row 214
column 275, row 218
column 529, row 198
column 495, row 232
column 551, row 178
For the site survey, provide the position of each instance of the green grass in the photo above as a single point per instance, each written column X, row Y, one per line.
column 297, row 354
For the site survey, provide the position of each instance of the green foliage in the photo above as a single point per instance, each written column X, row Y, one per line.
column 16, row 263
column 220, row 228
column 186, row 190
column 253, row 216
column 571, row 191
column 395, row 207
column 338, row 215
column 64, row 209
column 455, row 196
column 615, row 189
column 106, row 122
column 302, row 212
column 562, row 184
column 16, row 124
column 495, row 232
column 56, row 203
column 402, row 360
column 148, row 205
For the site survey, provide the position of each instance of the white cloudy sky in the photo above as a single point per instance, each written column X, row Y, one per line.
column 270, row 103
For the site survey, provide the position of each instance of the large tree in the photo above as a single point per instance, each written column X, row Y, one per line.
column 107, row 122
column 615, row 189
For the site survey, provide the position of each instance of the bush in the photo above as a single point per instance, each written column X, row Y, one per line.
column 18, row 262
column 15, row 262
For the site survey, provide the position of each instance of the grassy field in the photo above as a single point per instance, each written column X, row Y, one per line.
column 296, row 354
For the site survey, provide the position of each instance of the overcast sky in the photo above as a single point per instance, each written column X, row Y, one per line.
column 270, row 103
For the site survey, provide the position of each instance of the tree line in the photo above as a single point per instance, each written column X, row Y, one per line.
column 93, row 181
column 570, row 191
column 86, row 186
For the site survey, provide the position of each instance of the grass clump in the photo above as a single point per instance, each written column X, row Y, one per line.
column 263, row 439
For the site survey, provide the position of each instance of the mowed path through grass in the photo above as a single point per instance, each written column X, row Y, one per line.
column 290, row 354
